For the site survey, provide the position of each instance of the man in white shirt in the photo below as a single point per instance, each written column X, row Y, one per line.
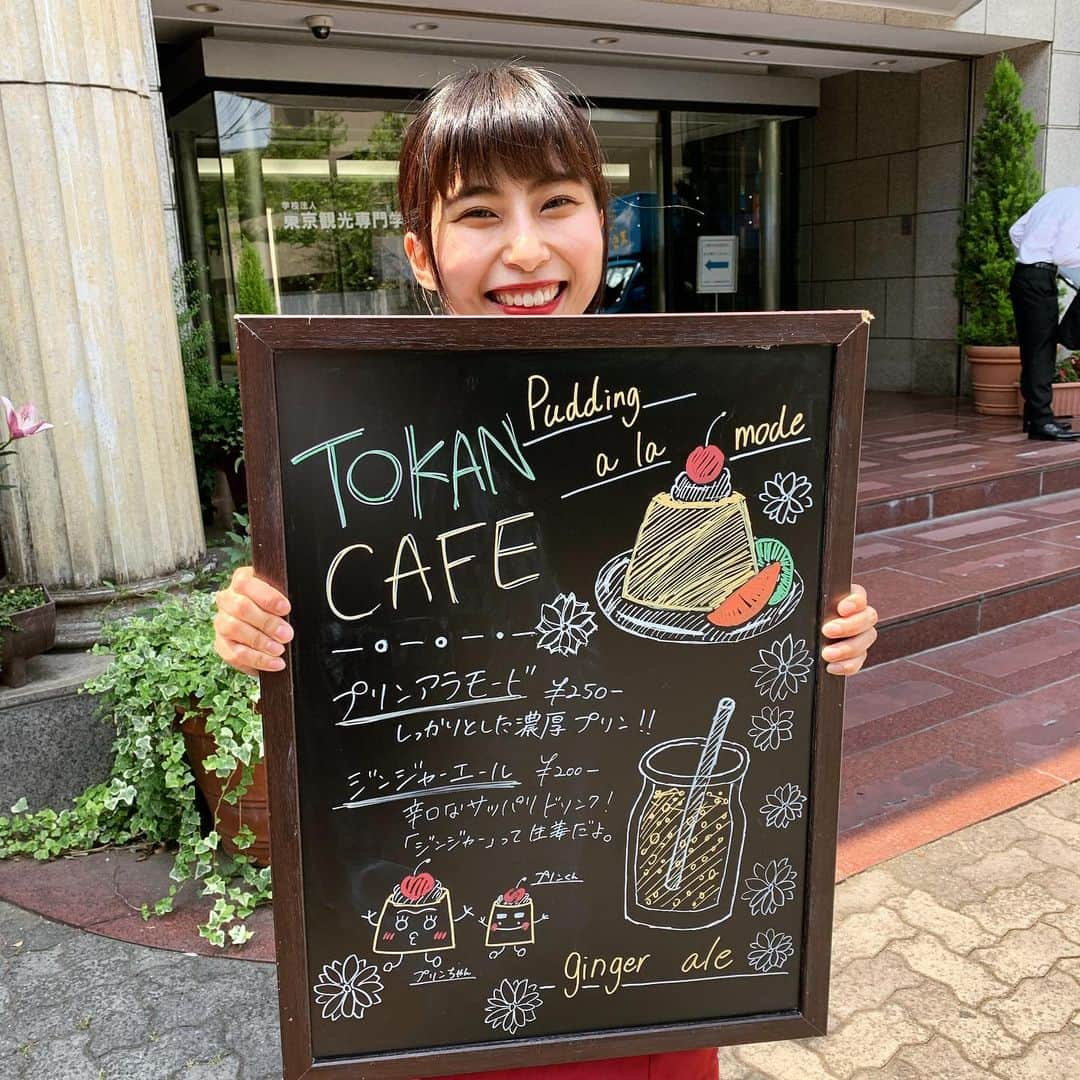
column 1047, row 242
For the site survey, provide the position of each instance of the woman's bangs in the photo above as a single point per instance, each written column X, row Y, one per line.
column 508, row 142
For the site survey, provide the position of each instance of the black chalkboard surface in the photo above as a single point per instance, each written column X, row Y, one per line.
column 553, row 764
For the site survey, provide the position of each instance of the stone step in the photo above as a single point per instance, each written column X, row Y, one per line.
column 52, row 746
column 946, row 580
column 924, row 459
column 944, row 738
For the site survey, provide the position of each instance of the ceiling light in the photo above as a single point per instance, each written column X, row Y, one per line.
column 757, row 52
column 425, row 26
column 203, row 9
column 604, row 40
column 884, row 63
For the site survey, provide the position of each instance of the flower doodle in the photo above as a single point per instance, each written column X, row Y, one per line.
column 770, row 886
column 783, row 807
column 565, row 625
column 784, row 667
column 770, row 951
column 771, row 727
column 512, row 1005
column 786, row 496
column 348, row 988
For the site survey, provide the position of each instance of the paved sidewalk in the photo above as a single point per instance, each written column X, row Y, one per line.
column 958, row 961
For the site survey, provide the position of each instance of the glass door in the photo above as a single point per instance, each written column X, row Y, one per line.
column 631, row 141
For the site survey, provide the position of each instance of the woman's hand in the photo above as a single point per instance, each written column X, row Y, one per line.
column 249, row 631
column 852, row 631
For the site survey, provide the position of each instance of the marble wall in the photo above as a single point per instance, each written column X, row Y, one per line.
column 882, row 182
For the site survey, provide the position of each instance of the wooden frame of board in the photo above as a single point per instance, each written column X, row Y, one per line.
column 260, row 339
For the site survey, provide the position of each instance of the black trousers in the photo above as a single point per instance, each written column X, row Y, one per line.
column 1034, row 294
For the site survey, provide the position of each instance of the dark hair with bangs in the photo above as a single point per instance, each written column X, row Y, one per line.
column 477, row 126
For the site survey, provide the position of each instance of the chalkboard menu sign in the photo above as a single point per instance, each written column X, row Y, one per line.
column 553, row 763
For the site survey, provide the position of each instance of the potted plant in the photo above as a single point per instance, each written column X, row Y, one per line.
column 253, row 293
column 1004, row 186
column 27, row 629
column 1065, row 387
column 164, row 678
column 27, row 612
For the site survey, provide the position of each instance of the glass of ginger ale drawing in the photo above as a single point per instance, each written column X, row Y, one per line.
column 685, row 840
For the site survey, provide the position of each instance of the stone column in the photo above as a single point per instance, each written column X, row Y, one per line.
column 106, row 501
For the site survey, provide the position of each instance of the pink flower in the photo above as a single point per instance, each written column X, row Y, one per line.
column 22, row 421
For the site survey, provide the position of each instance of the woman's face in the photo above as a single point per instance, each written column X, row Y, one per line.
column 515, row 248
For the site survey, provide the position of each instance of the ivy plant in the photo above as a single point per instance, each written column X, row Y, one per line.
column 164, row 661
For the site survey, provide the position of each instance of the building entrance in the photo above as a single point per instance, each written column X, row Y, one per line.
column 290, row 204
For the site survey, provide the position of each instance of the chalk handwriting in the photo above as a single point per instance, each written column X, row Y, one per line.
column 581, row 404
column 375, row 476
column 550, row 769
column 531, row 724
column 408, row 564
column 607, row 972
column 554, row 877
column 419, row 843
column 762, row 434
column 430, row 976
column 431, row 693
column 486, row 807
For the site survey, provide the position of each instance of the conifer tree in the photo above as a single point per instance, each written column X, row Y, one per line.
column 1005, row 185
column 253, row 293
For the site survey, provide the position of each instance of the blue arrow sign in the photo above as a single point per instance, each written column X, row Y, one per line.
column 711, row 265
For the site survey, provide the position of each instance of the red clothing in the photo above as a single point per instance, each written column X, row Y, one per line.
column 687, row 1065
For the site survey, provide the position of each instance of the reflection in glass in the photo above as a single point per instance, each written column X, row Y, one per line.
column 630, row 140
column 311, row 185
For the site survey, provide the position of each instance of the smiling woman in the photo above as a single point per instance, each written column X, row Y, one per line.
column 503, row 191
column 515, row 249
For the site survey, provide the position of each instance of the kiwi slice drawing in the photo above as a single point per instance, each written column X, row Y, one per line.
column 769, row 550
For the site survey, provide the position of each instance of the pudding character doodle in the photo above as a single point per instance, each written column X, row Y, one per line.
column 512, row 922
column 417, row 917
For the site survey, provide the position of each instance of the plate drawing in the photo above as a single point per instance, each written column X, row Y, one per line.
column 681, row 627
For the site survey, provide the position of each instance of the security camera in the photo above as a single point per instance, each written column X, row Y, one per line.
column 320, row 26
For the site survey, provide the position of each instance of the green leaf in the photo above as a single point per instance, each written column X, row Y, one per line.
column 239, row 934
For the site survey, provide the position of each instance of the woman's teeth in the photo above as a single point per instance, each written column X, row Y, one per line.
column 534, row 298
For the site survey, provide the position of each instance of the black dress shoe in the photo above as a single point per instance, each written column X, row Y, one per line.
column 1061, row 421
column 1052, row 432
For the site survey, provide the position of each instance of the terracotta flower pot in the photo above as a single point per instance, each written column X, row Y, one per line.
column 252, row 809
column 34, row 632
column 1065, row 401
column 995, row 378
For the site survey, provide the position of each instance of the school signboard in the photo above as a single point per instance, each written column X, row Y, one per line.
column 553, row 765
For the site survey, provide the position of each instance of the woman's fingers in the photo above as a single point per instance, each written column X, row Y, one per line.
column 253, row 602
column 246, row 659
column 848, row 656
column 864, row 619
column 233, row 629
column 249, row 633
column 246, row 611
column 853, row 603
column 259, row 592
column 851, row 633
